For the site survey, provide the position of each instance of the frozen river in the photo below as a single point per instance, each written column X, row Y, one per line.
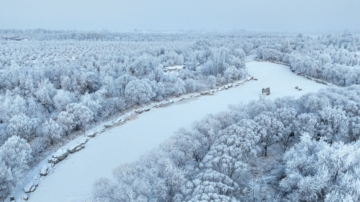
column 73, row 177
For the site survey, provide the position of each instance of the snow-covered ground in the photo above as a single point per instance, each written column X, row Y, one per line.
column 250, row 58
column 73, row 177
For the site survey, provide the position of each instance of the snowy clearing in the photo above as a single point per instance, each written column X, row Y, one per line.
column 73, row 177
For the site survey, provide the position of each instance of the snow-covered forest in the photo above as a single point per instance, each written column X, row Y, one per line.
column 50, row 88
column 282, row 150
column 332, row 58
column 54, row 85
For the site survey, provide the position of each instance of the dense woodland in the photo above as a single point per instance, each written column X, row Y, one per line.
column 57, row 83
column 52, row 88
column 332, row 58
column 282, row 150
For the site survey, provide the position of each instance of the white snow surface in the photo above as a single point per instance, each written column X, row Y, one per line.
column 250, row 58
column 73, row 177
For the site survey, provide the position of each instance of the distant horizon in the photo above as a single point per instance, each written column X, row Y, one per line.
column 187, row 30
column 120, row 15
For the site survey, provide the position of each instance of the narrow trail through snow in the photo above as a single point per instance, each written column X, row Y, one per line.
column 73, row 177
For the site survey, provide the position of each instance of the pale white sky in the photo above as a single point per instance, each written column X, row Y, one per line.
column 117, row 15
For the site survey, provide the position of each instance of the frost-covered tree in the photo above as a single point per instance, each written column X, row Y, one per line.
column 155, row 179
column 22, row 126
column 11, row 106
column 287, row 116
column 66, row 121
column 174, row 88
column 63, row 98
column 7, row 180
column 138, row 91
column 45, row 94
column 272, row 130
column 186, row 148
column 52, row 131
column 317, row 171
column 104, row 190
column 190, row 85
column 39, row 145
column 213, row 186
column 307, row 123
column 354, row 128
column 122, row 82
column 143, row 66
column 16, row 153
column 95, row 102
column 66, row 83
column 211, row 81
column 82, row 115
column 230, row 154
column 333, row 125
column 255, row 108
column 232, row 74
column 110, row 87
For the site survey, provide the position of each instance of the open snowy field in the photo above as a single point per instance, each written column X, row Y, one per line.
column 73, row 177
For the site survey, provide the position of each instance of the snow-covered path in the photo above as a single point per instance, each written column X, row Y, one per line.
column 73, row 177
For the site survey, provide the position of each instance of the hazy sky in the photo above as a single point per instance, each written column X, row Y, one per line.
column 116, row 15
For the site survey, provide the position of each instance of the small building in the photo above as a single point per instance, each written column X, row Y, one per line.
column 175, row 68
column 266, row 91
